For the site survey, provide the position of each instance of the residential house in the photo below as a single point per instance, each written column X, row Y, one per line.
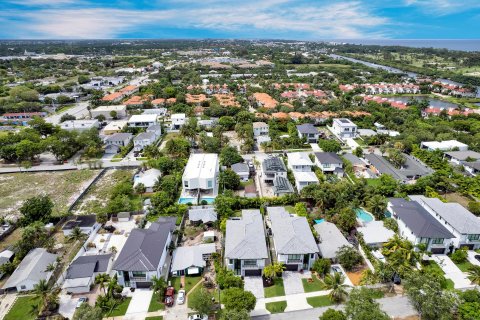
column 201, row 173
column 144, row 139
column 330, row 239
column 191, row 260
column 308, row 132
column 21, row 118
column 242, row 170
column 142, row 120
column 359, row 166
column 82, row 271
column 116, row 141
column 86, row 223
column 144, row 254
column 202, row 215
column 281, row 186
column 178, row 120
column 260, row 129
column 448, row 145
column 329, row 162
column 344, row 128
column 411, row 170
column 417, row 225
column 160, row 112
column 375, row 234
column 120, row 111
column 246, row 250
column 6, row 256
column 301, row 166
column 463, row 224
column 114, row 127
column 31, row 270
column 293, row 240
column 80, row 125
column 148, row 178
column 207, row 123
column 457, row 157
column 273, row 167
column 472, row 167
column 304, row 178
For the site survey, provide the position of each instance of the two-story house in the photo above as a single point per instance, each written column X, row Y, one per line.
column 417, row 225
column 260, row 129
column 344, row 128
column 114, row 142
column 308, row 132
column 293, row 240
column 301, row 166
column 275, row 172
column 142, row 120
column 245, row 244
column 178, row 120
column 201, row 173
column 329, row 162
column 464, row 225
column 144, row 254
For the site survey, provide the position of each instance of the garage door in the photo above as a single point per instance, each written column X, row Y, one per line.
column 256, row 272
column 144, row 285
column 468, row 246
column 438, row 251
column 291, row 267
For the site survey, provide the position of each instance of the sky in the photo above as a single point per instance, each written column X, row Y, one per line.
column 240, row 19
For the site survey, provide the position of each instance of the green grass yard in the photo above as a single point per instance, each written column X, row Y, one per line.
column 120, row 309
column 190, row 282
column 373, row 182
column 276, row 290
column 464, row 266
column 154, row 318
column 316, row 285
column 22, row 309
column 276, row 307
column 155, row 303
column 319, row 301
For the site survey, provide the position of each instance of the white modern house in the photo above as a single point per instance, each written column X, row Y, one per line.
column 143, row 120
column 80, row 125
column 245, row 244
column 106, row 111
column 417, row 225
column 201, row 174
column 178, row 120
column 260, row 129
column 301, row 166
column 293, row 240
column 446, row 145
column 344, row 128
column 144, row 254
column 375, row 234
column 463, row 224
column 148, row 178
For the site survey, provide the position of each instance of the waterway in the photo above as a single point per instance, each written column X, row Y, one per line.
column 432, row 102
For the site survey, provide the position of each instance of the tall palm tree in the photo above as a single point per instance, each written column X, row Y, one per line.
column 400, row 253
column 158, row 286
column 334, row 283
column 50, row 267
column 113, row 287
column 41, row 292
column 101, row 279
column 474, row 275
column 76, row 234
column 273, row 270
column 377, row 205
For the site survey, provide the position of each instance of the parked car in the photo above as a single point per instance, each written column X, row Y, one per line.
column 477, row 256
column 198, row 317
column 181, row 297
column 169, row 296
column 80, row 301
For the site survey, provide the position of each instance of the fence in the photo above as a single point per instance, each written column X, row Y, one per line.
column 84, row 192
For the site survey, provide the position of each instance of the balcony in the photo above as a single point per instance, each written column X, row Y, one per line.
column 141, row 279
column 250, row 266
column 295, row 261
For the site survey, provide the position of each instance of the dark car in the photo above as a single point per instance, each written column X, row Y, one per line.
column 477, row 256
column 169, row 296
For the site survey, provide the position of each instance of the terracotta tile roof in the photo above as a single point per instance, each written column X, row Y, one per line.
column 265, row 100
column 280, row 115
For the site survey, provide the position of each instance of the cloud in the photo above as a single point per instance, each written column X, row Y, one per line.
column 444, row 7
column 268, row 18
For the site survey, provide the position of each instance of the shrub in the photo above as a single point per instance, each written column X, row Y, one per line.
column 460, row 256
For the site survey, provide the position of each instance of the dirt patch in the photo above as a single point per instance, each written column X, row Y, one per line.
column 456, row 197
column 356, row 276
column 11, row 239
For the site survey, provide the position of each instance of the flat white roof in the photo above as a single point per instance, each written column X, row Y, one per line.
column 178, row 116
column 201, row 165
column 299, row 159
column 444, row 145
column 115, row 125
column 143, row 118
column 375, row 232
column 111, row 108
column 305, row 176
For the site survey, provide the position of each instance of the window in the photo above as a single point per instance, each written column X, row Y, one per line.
column 423, row 240
column 473, row 236
column 23, row 287
column 437, row 241
column 230, row 261
column 294, row 257
column 249, row 262
column 185, row 184
column 138, row 274
column 209, row 184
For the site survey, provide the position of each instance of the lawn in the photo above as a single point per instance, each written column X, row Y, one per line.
column 431, row 265
column 373, row 182
column 464, row 266
column 450, row 284
column 155, row 303
column 276, row 307
column 315, row 285
column 319, row 301
column 62, row 188
column 120, row 309
column 154, row 318
column 22, row 308
column 190, row 282
column 276, row 290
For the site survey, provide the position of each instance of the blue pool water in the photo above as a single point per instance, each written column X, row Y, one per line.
column 187, row 200
column 209, row 200
column 388, row 214
column 363, row 215
column 318, row 221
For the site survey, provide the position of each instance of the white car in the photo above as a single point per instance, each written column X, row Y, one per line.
column 198, row 317
column 80, row 301
column 181, row 297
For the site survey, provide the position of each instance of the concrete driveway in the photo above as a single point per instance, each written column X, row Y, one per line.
column 67, row 305
column 139, row 304
column 471, row 257
column 255, row 286
column 452, row 272
column 292, row 281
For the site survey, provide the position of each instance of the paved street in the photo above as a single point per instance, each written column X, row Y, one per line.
column 79, row 111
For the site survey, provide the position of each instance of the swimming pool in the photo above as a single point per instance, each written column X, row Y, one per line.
column 363, row 215
column 187, row 200
column 209, row 200
column 318, row 221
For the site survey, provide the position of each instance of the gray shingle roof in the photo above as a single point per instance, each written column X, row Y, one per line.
column 417, row 219
column 291, row 234
column 353, row 159
column 144, row 247
column 205, row 215
column 463, row 155
column 145, row 135
column 307, row 128
column 186, row 257
column 331, row 239
column 245, row 238
column 86, row 266
column 455, row 214
column 119, row 136
column 240, row 168
column 328, row 157
column 410, row 169
column 32, row 267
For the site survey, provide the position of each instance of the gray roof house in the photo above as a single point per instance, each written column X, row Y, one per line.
column 191, row 260
column 331, row 239
column 411, row 170
column 458, row 156
column 5, row 257
column 114, row 142
column 329, row 162
column 245, row 244
column 144, row 253
column 417, row 225
column 273, row 167
column 242, row 170
column 464, row 225
column 82, row 272
column 309, row 132
column 148, row 178
column 31, row 270
column 281, row 186
column 86, row 222
column 202, row 214
column 293, row 240
column 472, row 167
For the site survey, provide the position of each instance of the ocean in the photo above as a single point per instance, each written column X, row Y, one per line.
column 460, row 44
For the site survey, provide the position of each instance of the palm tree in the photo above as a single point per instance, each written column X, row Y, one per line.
column 158, row 286
column 140, row 189
column 400, row 253
column 377, row 205
column 101, row 279
column 76, row 234
column 50, row 267
column 113, row 287
column 334, row 283
column 272, row 271
column 474, row 275
column 41, row 292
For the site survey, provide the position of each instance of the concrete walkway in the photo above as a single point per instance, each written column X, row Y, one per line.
column 6, row 302
column 452, row 272
column 139, row 304
column 471, row 258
